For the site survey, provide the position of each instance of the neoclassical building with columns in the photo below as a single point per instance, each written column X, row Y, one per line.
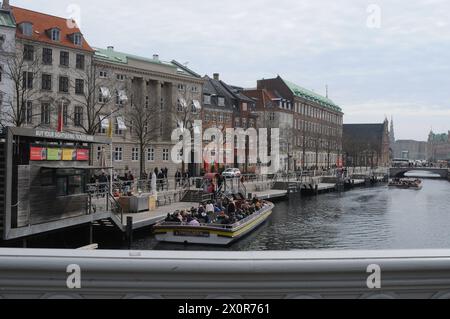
column 130, row 80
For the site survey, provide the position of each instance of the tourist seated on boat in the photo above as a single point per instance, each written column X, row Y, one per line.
column 192, row 221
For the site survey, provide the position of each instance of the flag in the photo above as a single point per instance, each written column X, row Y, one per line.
column 60, row 118
column 110, row 128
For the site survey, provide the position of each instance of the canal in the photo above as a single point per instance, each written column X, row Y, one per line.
column 365, row 218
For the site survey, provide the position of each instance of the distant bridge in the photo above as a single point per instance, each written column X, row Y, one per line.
column 401, row 171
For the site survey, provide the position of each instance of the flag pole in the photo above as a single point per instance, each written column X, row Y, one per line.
column 111, row 155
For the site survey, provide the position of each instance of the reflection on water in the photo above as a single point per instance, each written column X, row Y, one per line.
column 369, row 218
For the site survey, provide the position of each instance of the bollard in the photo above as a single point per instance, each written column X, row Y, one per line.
column 129, row 231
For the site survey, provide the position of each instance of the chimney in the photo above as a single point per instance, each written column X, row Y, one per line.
column 156, row 57
column 216, row 76
column 110, row 48
column 5, row 5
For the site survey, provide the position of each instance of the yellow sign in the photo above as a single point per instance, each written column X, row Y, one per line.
column 69, row 155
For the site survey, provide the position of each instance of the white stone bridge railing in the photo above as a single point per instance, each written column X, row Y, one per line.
column 254, row 275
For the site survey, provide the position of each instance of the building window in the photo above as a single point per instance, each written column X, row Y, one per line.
column 29, row 112
column 117, row 129
column 45, row 113
column 194, row 89
column 78, row 39
column 80, row 62
column 135, row 154
column 28, row 52
column 181, row 87
column 162, row 104
column 27, row 80
column 47, row 56
column 64, row 58
column 46, row 82
column 78, row 116
column 272, row 116
column 147, row 102
column 150, row 154
column 103, row 74
column 120, row 77
column 118, row 154
column 221, row 101
column 65, row 114
column 63, row 84
column 27, row 29
column 207, row 99
column 179, row 106
column 55, row 34
column 165, row 154
column 79, row 86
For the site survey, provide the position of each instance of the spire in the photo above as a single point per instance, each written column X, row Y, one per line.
column 5, row 5
column 392, row 132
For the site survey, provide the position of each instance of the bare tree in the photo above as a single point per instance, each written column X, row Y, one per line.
column 143, row 121
column 22, row 68
column 94, row 95
column 188, row 110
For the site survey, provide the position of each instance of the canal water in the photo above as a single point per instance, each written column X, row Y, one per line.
column 364, row 218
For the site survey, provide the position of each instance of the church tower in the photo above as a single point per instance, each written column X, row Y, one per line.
column 5, row 5
column 392, row 138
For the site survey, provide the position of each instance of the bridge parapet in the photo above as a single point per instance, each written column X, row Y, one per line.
column 163, row 274
column 401, row 171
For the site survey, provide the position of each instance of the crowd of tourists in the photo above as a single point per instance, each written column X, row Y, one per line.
column 223, row 211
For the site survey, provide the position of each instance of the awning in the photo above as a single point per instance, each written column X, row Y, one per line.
column 183, row 103
column 197, row 105
column 73, row 167
column 180, row 125
column 121, row 123
column 105, row 92
column 197, row 129
column 104, row 121
column 123, row 96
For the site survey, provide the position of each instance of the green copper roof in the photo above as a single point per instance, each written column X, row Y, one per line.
column 113, row 56
column 6, row 19
column 311, row 96
column 439, row 137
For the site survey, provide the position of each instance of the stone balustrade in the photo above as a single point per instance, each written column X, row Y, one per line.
column 163, row 274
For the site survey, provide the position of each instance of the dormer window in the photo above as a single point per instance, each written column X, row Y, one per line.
column 27, row 29
column 55, row 34
column 77, row 39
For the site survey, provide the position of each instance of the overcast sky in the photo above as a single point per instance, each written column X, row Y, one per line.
column 379, row 58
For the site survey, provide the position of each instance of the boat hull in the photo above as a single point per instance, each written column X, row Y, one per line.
column 210, row 235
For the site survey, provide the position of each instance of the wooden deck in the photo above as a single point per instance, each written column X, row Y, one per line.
column 149, row 218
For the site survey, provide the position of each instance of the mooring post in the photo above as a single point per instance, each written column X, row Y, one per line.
column 129, row 231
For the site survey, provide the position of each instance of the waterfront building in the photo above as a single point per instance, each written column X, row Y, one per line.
column 7, row 51
column 410, row 149
column 271, row 115
column 49, row 71
column 225, row 107
column 145, row 91
column 439, row 147
column 366, row 145
column 314, row 139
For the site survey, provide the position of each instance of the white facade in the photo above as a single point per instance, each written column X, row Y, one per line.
column 7, row 50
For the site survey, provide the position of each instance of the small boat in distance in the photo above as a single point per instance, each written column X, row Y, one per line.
column 212, row 233
column 406, row 183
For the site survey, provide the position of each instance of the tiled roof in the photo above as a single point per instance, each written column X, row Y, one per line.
column 43, row 22
column 6, row 20
column 312, row 96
